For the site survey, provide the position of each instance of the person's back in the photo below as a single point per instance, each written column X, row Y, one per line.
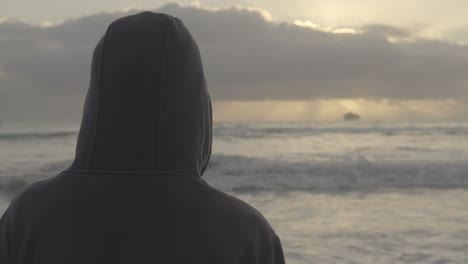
column 134, row 193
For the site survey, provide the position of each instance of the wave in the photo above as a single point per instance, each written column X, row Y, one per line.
column 237, row 173
column 13, row 180
column 34, row 135
column 241, row 130
column 246, row 131
column 241, row 173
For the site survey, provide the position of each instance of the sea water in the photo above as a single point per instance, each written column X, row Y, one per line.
column 335, row 192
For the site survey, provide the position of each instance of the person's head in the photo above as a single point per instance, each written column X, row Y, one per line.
column 147, row 106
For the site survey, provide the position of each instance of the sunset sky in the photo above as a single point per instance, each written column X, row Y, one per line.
column 264, row 60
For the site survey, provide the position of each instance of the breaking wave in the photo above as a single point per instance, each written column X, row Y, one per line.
column 241, row 130
column 35, row 135
column 13, row 180
column 239, row 173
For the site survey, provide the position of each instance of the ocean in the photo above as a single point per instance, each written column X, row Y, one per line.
column 335, row 192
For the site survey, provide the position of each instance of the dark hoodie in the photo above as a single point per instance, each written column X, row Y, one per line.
column 134, row 192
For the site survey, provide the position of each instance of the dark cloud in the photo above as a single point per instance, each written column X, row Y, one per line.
column 247, row 57
column 386, row 30
column 459, row 33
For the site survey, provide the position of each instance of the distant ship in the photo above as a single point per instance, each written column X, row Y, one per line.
column 351, row 116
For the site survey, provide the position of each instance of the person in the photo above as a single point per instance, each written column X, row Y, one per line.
column 134, row 192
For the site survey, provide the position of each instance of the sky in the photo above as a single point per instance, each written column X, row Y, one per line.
column 433, row 18
column 264, row 60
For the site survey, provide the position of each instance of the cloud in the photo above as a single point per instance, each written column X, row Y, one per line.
column 386, row 30
column 329, row 29
column 460, row 33
column 248, row 55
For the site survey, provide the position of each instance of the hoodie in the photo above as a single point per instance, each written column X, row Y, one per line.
column 134, row 192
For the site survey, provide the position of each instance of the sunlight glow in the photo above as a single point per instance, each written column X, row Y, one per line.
column 329, row 29
column 334, row 109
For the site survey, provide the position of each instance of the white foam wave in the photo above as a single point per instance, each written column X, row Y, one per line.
column 35, row 135
column 242, row 173
column 249, row 131
column 12, row 180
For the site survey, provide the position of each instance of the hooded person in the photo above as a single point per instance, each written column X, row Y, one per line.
column 134, row 193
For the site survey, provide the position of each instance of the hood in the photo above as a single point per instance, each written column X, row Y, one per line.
column 147, row 106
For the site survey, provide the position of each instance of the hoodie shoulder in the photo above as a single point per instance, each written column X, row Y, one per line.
column 250, row 226
column 240, row 208
column 32, row 199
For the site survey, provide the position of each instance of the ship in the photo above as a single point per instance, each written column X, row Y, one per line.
column 351, row 116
